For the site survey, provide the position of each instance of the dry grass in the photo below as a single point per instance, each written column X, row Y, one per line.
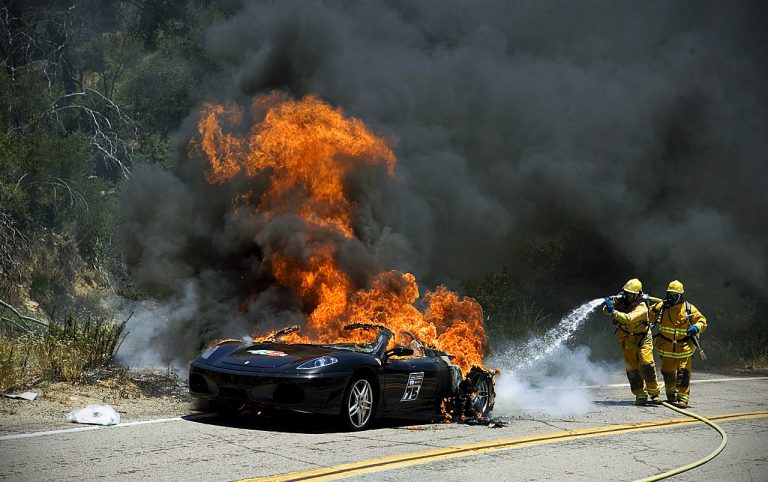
column 735, row 352
column 754, row 353
column 63, row 352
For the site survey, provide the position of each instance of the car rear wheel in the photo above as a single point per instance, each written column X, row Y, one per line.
column 483, row 397
column 484, row 394
column 359, row 403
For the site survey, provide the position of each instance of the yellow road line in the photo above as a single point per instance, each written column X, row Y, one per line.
column 414, row 458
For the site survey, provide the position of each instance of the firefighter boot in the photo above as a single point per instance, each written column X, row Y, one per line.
column 641, row 399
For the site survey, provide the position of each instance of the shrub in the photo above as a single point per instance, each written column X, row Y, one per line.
column 65, row 351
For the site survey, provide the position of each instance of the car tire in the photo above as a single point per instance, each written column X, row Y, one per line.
column 483, row 397
column 358, row 404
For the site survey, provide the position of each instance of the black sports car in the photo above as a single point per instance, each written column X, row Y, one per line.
column 356, row 381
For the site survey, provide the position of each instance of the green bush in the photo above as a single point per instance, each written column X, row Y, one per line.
column 62, row 352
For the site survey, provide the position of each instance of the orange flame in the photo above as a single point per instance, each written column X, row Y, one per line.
column 306, row 149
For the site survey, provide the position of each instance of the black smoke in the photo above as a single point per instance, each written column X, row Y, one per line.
column 632, row 137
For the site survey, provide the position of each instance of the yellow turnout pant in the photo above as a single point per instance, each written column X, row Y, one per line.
column 677, row 377
column 637, row 351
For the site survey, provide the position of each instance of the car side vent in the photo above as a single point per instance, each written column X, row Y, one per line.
column 197, row 383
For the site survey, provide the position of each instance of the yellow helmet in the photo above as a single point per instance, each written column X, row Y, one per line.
column 676, row 286
column 633, row 286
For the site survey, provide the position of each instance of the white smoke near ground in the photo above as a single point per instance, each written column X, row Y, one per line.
column 149, row 323
column 556, row 388
column 544, row 376
column 142, row 346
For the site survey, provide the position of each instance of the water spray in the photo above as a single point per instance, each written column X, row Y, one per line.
column 515, row 395
column 539, row 348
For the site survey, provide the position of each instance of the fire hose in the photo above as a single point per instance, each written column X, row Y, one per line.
column 700, row 462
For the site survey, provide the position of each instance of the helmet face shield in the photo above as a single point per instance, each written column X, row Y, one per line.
column 673, row 298
column 629, row 297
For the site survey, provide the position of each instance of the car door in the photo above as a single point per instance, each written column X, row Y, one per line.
column 410, row 385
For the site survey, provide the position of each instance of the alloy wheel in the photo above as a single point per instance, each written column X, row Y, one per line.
column 360, row 403
column 483, row 394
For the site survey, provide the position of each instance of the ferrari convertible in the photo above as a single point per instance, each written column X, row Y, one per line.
column 357, row 382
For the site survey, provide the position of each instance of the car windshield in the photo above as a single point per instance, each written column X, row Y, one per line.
column 380, row 340
column 357, row 347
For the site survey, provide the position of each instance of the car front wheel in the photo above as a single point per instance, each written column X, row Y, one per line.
column 359, row 402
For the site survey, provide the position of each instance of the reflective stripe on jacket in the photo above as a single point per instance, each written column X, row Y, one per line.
column 673, row 340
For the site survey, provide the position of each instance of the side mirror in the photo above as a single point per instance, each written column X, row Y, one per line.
column 400, row 350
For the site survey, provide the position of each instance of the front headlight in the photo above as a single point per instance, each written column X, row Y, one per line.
column 323, row 361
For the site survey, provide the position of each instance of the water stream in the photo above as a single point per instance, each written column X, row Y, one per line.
column 529, row 368
column 537, row 349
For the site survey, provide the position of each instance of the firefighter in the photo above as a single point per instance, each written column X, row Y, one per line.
column 629, row 310
column 679, row 322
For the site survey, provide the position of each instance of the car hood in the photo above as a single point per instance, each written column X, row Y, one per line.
column 273, row 355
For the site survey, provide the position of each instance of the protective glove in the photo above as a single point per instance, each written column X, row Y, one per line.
column 608, row 303
column 692, row 330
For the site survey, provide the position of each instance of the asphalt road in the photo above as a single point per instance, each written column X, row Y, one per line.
column 533, row 447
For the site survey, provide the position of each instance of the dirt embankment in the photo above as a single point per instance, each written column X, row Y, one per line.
column 136, row 395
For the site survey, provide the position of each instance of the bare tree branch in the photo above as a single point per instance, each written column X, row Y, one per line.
column 74, row 194
column 16, row 187
column 23, row 51
column 108, row 127
column 12, row 244
column 120, row 65
column 21, row 327
column 23, row 317
column 104, row 125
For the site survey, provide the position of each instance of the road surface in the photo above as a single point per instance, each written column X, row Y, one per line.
column 614, row 441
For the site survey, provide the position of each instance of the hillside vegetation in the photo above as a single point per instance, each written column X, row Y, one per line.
column 88, row 91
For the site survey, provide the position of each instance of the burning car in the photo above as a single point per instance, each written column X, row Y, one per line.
column 356, row 381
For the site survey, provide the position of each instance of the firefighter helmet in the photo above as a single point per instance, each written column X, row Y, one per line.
column 676, row 286
column 633, row 286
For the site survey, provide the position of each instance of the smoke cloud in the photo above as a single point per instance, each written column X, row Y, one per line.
column 556, row 386
column 643, row 131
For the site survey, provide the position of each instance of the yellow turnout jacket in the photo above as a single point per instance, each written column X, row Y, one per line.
column 631, row 324
column 673, row 340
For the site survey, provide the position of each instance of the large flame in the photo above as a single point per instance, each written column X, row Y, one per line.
column 305, row 149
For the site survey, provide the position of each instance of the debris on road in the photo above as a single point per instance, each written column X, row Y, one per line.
column 94, row 414
column 487, row 422
column 24, row 396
